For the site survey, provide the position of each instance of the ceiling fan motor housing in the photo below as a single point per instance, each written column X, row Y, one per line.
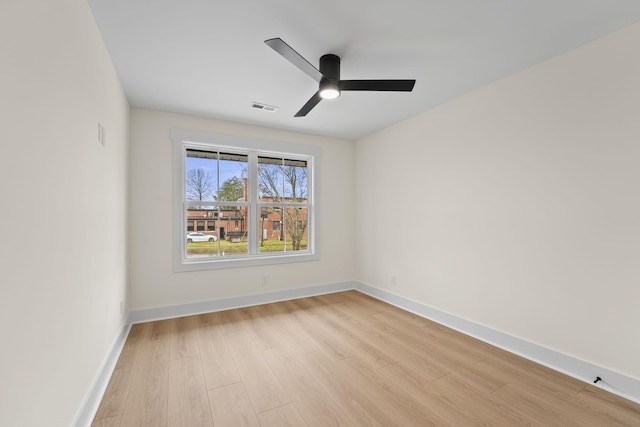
column 330, row 82
column 330, row 67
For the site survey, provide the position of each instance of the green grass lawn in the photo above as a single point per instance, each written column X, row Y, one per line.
column 228, row 248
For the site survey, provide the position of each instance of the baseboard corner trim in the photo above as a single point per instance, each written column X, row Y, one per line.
column 89, row 407
column 614, row 382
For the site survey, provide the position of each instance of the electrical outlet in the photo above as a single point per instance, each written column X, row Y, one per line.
column 265, row 280
column 393, row 281
column 121, row 308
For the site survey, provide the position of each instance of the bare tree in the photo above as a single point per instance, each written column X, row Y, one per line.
column 200, row 185
column 286, row 183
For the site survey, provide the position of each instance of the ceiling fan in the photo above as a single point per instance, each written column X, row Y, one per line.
column 328, row 77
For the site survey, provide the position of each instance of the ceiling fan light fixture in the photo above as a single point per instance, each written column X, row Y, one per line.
column 329, row 93
column 329, row 90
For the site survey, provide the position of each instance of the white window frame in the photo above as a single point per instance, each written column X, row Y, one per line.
column 183, row 139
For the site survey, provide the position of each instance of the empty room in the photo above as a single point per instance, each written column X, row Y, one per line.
column 253, row 213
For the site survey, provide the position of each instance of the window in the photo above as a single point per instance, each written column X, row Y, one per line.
column 245, row 185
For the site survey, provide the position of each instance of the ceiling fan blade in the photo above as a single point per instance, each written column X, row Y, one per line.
column 378, row 85
column 309, row 105
column 294, row 57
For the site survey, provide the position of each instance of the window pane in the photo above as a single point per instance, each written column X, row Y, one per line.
column 198, row 242
column 233, row 229
column 296, row 228
column 233, row 183
column 221, row 238
column 215, row 176
column 270, row 179
column 295, row 181
column 201, row 179
column 283, row 233
column 270, row 231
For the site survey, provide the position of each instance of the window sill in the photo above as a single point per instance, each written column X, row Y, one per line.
column 258, row 260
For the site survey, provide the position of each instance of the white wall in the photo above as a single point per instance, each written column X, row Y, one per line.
column 516, row 206
column 153, row 282
column 64, row 206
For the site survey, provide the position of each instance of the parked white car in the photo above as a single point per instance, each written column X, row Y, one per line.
column 200, row 237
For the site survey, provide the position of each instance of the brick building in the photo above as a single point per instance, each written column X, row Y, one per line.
column 232, row 224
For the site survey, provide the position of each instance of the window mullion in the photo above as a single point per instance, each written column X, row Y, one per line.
column 253, row 204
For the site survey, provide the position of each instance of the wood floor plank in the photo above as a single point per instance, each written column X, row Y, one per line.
column 560, row 403
column 288, row 328
column 375, row 347
column 356, row 405
column 232, row 321
column 393, row 399
column 380, row 308
column 263, row 388
column 421, row 389
column 188, row 400
column 148, row 393
column 262, row 334
column 431, row 342
column 437, row 334
column 217, row 362
column 333, row 344
column 158, row 330
column 517, row 370
column 617, row 410
column 184, row 337
column 539, row 412
column 241, row 345
column 315, row 404
column 479, row 408
column 231, row 407
column 282, row 416
column 480, row 381
column 366, row 341
column 384, row 311
column 377, row 406
column 354, row 312
column 108, row 422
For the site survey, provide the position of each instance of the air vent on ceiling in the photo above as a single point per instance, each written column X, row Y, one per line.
column 264, row 107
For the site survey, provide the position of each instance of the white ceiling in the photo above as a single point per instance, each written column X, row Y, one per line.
column 208, row 57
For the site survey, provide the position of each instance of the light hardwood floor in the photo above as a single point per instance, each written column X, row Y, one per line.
column 339, row 359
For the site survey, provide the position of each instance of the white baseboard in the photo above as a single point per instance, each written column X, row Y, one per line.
column 89, row 407
column 613, row 382
column 169, row 312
